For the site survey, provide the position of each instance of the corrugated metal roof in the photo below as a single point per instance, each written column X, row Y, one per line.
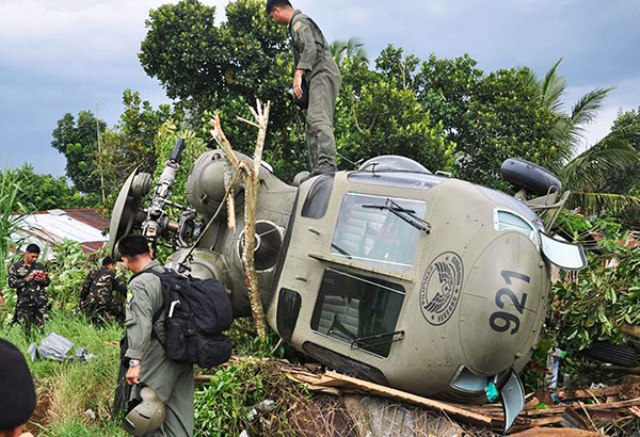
column 86, row 226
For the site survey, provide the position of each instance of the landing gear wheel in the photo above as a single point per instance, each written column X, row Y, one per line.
column 531, row 177
column 612, row 353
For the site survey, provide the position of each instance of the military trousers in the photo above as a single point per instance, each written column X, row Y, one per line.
column 173, row 382
column 321, row 143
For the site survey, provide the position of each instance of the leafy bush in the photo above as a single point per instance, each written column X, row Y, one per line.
column 222, row 407
column 592, row 304
column 603, row 297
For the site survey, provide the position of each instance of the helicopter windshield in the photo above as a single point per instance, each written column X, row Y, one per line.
column 379, row 231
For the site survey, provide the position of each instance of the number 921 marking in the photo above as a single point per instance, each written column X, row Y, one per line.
column 501, row 321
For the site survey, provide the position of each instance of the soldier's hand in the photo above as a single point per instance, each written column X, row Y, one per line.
column 1, row 301
column 297, row 84
column 133, row 375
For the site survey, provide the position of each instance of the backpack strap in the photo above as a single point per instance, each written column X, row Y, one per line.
column 158, row 313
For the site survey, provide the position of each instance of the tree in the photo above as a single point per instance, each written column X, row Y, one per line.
column 77, row 140
column 605, row 176
column 504, row 119
column 351, row 48
column 377, row 114
column 488, row 117
column 224, row 69
column 132, row 142
column 40, row 192
column 591, row 174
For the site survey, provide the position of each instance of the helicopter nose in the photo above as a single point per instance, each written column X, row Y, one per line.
column 502, row 304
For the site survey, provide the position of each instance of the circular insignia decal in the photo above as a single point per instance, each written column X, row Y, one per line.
column 440, row 288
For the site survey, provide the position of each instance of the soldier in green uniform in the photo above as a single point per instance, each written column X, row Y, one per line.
column 315, row 65
column 30, row 278
column 173, row 382
column 97, row 294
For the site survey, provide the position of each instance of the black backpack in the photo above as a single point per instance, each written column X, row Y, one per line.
column 196, row 312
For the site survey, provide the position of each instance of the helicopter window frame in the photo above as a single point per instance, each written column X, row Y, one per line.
column 369, row 232
column 351, row 307
column 504, row 225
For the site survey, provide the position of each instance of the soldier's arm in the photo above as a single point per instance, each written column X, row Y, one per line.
column 86, row 286
column 15, row 280
column 141, row 309
column 47, row 279
column 303, row 37
column 119, row 286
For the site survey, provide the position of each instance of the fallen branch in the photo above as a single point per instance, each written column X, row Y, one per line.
column 250, row 177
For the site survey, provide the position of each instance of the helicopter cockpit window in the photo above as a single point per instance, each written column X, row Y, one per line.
column 355, row 308
column 506, row 220
column 379, row 231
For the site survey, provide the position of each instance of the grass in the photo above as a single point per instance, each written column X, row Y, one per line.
column 66, row 390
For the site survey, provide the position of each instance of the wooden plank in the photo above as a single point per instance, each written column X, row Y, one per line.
column 567, row 395
column 389, row 392
column 559, row 432
column 635, row 411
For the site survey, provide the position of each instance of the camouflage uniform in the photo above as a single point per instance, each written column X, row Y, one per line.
column 173, row 382
column 311, row 53
column 97, row 296
column 33, row 301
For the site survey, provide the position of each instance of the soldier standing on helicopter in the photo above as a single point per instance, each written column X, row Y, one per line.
column 97, row 294
column 315, row 69
column 30, row 278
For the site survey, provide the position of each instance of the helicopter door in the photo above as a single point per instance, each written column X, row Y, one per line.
column 564, row 255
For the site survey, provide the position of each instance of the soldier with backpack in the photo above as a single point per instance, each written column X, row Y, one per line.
column 97, row 298
column 171, row 381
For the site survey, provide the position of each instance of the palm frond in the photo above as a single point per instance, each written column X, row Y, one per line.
column 584, row 111
column 593, row 203
column 552, row 88
column 592, row 169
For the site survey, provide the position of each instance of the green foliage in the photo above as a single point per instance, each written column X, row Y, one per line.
column 77, row 140
column 67, row 390
column 504, row 119
column 222, row 407
column 131, row 144
column 224, row 69
column 604, row 296
column 351, row 48
column 43, row 192
column 378, row 114
column 11, row 211
column 247, row 343
column 69, row 268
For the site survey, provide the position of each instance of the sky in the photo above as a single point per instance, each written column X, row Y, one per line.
column 66, row 56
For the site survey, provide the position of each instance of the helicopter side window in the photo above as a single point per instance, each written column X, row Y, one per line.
column 317, row 201
column 379, row 231
column 354, row 308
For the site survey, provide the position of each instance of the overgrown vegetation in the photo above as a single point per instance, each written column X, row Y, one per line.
column 594, row 304
column 75, row 399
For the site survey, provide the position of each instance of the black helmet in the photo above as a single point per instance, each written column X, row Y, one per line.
column 145, row 412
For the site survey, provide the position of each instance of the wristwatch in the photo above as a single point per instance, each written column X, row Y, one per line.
column 134, row 363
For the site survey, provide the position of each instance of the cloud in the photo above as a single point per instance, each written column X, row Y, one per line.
column 72, row 38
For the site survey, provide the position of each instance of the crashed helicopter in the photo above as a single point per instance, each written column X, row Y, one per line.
column 390, row 273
